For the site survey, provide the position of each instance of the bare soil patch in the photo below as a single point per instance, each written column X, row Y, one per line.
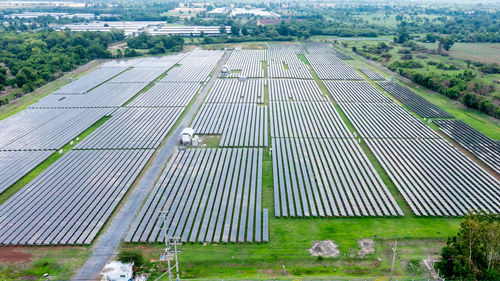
column 325, row 248
column 366, row 247
column 13, row 255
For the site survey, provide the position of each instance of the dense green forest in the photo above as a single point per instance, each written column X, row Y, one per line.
column 31, row 59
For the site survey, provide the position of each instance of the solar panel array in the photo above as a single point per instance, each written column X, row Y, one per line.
column 133, row 127
column 239, row 124
column 327, row 177
column 481, row 146
column 194, row 67
column 246, row 63
column 15, row 164
column 372, row 74
column 319, row 169
column 306, row 120
column 435, row 178
column 355, row 91
column 385, row 120
column 107, row 95
column 327, row 65
column 233, row 110
column 89, row 81
column 295, row 90
column 212, row 195
column 235, row 91
column 413, row 101
column 139, row 74
column 283, row 62
column 163, row 61
column 322, row 54
column 167, row 94
column 70, row 201
column 46, row 129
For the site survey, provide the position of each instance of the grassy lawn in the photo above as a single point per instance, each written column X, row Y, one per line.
column 483, row 52
column 59, row 262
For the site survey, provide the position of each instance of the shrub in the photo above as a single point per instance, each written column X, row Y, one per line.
column 131, row 256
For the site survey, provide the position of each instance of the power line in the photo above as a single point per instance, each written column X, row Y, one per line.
column 172, row 248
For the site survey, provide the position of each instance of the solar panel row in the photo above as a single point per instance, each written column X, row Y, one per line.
column 327, row 177
column 69, row 202
column 239, row 124
column 413, row 101
column 483, row 147
column 211, row 195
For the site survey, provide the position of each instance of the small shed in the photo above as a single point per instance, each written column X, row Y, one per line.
column 187, row 136
column 118, row 271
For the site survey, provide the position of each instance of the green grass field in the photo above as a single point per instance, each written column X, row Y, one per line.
column 59, row 262
column 379, row 18
column 482, row 52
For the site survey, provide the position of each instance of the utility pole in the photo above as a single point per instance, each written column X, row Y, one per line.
column 393, row 258
column 172, row 248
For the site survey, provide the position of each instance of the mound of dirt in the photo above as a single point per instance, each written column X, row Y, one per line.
column 366, row 247
column 325, row 248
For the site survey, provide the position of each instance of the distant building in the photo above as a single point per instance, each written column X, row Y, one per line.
column 33, row 15
column 241, row 12
column 187, row 30
column 219, row 12
column 133, row 28
column 129, row 28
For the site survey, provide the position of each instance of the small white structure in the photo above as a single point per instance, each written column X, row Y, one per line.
column 187, row 136
column 225, row 70
column 117, row 271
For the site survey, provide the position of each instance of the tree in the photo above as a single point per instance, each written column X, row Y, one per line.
column 235, row 30
column 431, row 38
column 244, row 31
column 202, row 34
column 402, row 37
column 445, row 43
column 474, row 254
column 222, row 29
